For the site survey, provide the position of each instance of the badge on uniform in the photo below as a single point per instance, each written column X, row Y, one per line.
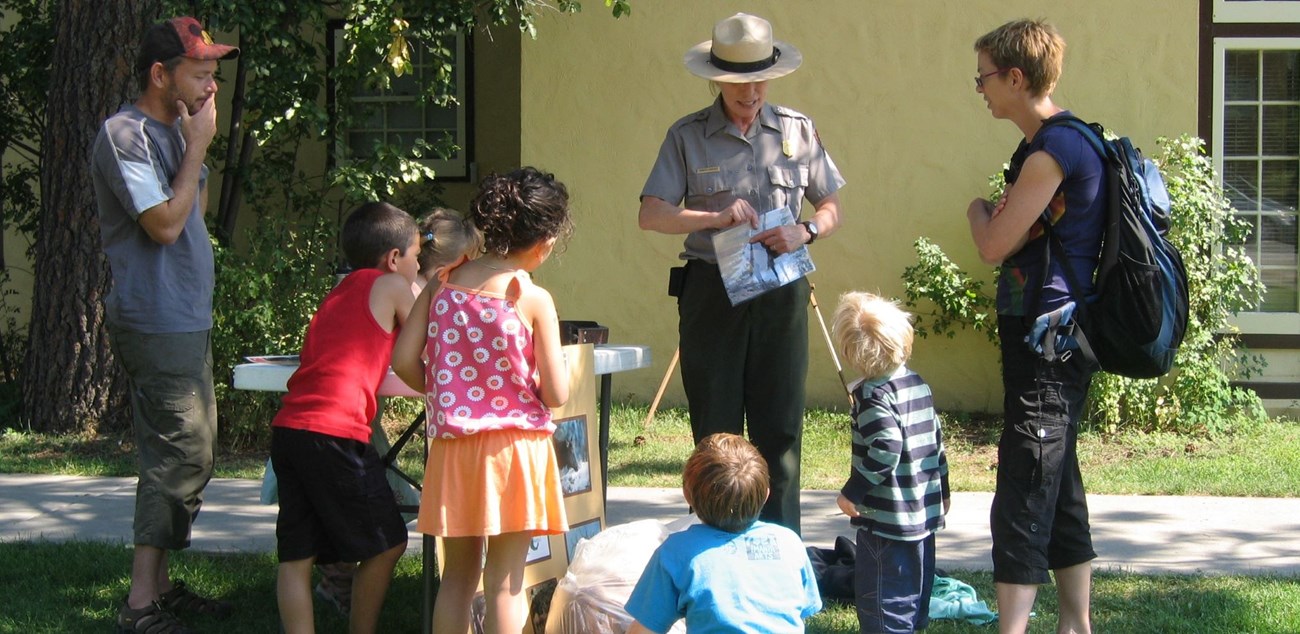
column 786, row 149
column 708, row 170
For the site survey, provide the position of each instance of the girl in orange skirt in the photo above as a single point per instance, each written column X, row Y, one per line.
column 495, row 368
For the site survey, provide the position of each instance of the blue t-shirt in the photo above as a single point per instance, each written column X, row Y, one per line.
column 1077, row 210
column 759, row 580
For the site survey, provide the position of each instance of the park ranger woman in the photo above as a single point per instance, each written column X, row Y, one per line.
column 718, row 168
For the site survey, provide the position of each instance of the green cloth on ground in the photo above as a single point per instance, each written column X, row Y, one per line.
column 953, row 599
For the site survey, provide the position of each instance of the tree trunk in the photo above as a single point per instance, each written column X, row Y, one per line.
column 71, row 382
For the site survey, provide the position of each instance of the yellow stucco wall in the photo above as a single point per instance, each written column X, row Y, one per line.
column 889, row 85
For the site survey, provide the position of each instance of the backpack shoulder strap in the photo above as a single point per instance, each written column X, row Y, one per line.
column 1090, row 131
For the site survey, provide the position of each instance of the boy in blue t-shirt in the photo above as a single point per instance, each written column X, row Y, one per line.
column 732, row 573
column 897, row 492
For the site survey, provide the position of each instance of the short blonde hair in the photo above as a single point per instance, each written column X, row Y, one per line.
column 446, row 235
column 1033, row 46
column 726, row 482
column 872, row 334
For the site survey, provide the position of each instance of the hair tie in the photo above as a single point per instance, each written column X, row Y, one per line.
column 428, row 237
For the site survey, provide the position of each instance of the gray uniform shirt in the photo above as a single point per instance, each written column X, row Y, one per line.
column 156, row 288
column 706, row 162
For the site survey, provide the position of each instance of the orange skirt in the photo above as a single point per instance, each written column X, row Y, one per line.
column 492, row 483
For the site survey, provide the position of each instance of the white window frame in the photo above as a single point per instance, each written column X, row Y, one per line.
column 1254, row 322
column 457, row 168
column 1257, row 11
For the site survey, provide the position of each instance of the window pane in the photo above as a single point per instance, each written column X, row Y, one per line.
column 1241, row 180
column 1278, row 247
column 1281, row 185
column 405, row 115
column 1282, row 130
column 1241, row 130
column 370, row 117
column 1241, row 75
column 1281, row 81
column 407, row 85
column 1252, row 238
column 440, row 118
column 362, row 144
column 403, row 140
column 1280, row 293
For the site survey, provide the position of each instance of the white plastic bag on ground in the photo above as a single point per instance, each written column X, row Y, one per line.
column 604, row 570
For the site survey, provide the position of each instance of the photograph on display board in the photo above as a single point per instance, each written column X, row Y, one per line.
column 539, row 550
column 539, row 604
column 577, row 532
column 572, row 451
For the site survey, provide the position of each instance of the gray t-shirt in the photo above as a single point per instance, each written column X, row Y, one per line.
column 706, row 162
column 156, row 288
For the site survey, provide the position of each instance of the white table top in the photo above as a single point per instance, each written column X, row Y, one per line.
column 274, row 377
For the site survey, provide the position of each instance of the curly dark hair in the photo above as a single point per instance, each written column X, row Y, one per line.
column 519, row 209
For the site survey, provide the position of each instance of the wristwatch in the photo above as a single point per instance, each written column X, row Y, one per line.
column 811, row 227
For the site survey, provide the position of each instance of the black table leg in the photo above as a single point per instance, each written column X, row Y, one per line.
column 606, row 398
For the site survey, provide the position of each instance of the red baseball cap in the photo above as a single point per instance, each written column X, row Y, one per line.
column 180, row 37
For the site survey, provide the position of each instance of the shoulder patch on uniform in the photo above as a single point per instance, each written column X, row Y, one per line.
column 694, row 117
column 786, row 112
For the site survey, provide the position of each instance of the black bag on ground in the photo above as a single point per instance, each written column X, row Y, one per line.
column 1135, row 320
column 833, row 569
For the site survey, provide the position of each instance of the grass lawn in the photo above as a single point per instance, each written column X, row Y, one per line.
column 81, row 591
column 1263, row 461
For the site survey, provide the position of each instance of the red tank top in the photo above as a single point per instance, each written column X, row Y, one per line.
column 345, row 357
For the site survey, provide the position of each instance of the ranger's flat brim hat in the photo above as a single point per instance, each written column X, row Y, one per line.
column 742, row 50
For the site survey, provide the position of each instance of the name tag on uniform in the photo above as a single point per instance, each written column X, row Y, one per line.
column 708, row 170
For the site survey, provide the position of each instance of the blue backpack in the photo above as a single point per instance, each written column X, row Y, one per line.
column 1136, row 317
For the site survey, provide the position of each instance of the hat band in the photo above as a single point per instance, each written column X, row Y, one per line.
column 745, row 67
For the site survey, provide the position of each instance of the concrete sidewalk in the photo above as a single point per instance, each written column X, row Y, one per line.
column 1159, row 535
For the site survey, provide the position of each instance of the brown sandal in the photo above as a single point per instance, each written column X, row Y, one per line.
column 151, row 619
column 181, row 599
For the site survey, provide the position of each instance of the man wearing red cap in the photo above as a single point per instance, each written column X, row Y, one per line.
column 150, row 184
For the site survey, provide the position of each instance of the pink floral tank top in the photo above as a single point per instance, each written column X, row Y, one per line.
column 480, row 375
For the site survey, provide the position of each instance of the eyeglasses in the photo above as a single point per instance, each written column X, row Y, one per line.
column 979, row 79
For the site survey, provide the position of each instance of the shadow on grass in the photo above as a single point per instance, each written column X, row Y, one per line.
column 647, row 467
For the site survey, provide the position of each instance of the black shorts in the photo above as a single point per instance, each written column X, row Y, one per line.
column 335, row 502
column 1039, row 517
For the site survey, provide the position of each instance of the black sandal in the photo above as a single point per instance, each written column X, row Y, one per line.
column 151, row 619
column 181, row 599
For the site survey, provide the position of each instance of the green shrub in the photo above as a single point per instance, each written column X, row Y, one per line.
column 264, row 298
column 1197, row 396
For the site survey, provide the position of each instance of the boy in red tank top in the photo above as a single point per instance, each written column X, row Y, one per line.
column 335, row 502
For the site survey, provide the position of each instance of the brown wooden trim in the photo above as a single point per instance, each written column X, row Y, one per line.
column 1256, row 29
column 1272, row 389
column 1269, row 342
column 1205, row 77
column 1261, row 341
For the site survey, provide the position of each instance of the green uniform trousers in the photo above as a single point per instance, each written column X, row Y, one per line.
column 748, row 364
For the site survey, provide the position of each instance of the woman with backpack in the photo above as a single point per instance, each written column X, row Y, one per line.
column 1039, row 518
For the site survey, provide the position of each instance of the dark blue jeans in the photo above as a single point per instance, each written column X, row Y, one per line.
column 893, row 580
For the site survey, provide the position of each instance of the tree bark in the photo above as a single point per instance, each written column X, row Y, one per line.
column 71, row 381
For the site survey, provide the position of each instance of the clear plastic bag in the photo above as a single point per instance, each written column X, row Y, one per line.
column 605, row 568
